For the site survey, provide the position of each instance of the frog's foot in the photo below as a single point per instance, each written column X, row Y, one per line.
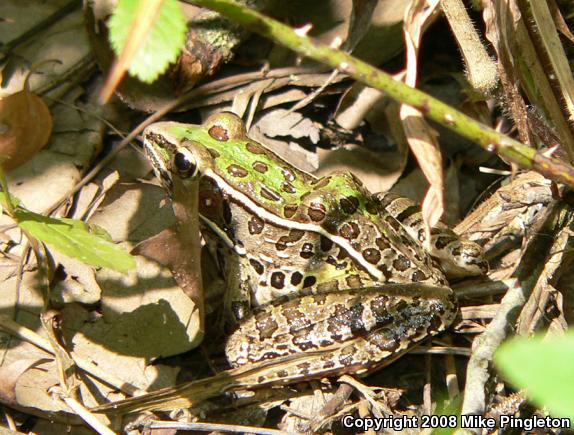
column 458, row 258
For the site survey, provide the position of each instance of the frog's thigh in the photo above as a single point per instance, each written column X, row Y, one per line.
column 394, row 317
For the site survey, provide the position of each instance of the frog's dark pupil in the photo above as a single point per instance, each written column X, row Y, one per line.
column 183, row 165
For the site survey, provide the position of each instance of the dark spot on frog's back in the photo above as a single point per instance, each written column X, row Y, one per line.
column 260, row 167
column 349, row 204
column 219, row 133
column 289, row 210
column 293, row 237
column 441, row 242
column 317, row 212
column 349, row 230
column 288, row 174
column 385, row 340
column 269, row 194
column 266, row 326
column 401, row 305
column 254, row 148
column 213, row 152
column 331, row 224
column 288, row 187
column 382, row 244
column 419, row 276
column 372, row 255
column 302, row 341
column 303, row 367
column 435, row 324
column 393, row 223
column 237, row 171
column 255, row 225
column 257, row 266
column 388, row 274
column 307, row 251
column 355, row 319
column 346, row 355
column 296, row 278
column 326, row 244
column 401, row 263
column 372, row 206
column 309, row 281
column 354, row 281
column 322, row 182
column 278, row 280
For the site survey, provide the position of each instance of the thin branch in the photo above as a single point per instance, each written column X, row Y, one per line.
column 486, row 137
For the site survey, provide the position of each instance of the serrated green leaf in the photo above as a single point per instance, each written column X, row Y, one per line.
column 160, row 46
column 544, row 368
column 74, row 238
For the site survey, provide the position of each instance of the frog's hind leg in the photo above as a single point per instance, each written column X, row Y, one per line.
column 458, row 257
column 351, row 331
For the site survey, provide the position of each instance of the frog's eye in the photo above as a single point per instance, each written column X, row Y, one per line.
column 184, row 164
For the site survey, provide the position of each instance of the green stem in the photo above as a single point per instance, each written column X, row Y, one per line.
column 436, row 110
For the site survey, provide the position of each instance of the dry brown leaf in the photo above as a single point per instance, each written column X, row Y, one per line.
column 415, row 186
column 9, row 376
column 280, row 122
column 378, row 171
column 356, row 104
column 135, row 213
column 25, row 126
column 27, row 385
column 523, row 70
column 556, row 54
column 559, row 20
column 421, row 137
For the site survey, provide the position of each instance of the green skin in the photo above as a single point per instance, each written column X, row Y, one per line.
column 281, row 231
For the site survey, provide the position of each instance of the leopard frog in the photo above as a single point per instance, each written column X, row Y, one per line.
column 318, row 266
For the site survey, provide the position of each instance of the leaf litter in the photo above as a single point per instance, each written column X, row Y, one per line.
column 125, row 323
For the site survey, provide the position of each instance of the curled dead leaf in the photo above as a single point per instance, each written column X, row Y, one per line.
column 25, row 126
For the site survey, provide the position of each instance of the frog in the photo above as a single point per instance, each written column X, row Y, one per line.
column 317, row 267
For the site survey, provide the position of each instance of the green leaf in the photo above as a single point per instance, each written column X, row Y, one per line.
column 162, row 43
column 74, row 238
column 4, row 197
column 545, row 368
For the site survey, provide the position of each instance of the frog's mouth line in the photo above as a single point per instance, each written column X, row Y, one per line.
column 158, row 164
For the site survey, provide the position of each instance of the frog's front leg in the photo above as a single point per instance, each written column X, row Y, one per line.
column 347, row 331
column 237, row 299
